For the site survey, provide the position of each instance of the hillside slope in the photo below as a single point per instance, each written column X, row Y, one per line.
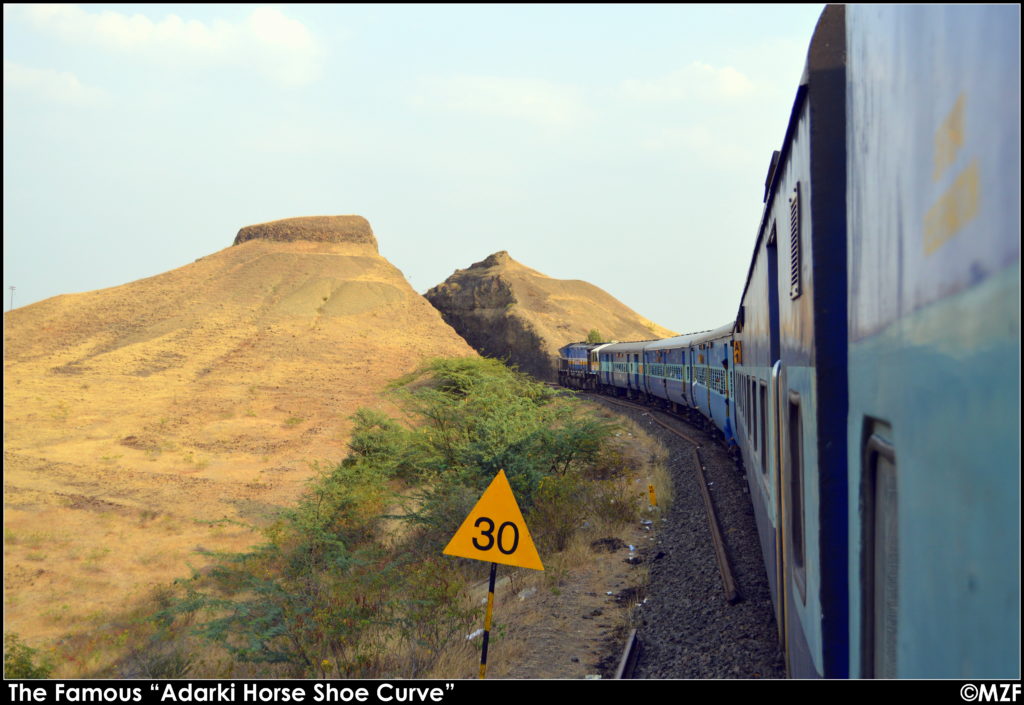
column 135, row 416
column 504, row 309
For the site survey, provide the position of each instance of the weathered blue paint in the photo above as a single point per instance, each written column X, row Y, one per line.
column 934, row 326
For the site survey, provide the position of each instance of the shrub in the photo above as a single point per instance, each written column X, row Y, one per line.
column 323, row 596
column 20, row 660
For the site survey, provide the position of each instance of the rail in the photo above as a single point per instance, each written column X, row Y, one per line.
column 732, row 595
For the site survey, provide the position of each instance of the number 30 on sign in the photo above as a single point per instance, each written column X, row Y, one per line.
column 495, row 531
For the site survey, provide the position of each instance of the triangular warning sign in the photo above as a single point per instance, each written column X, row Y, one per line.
column 495, row 531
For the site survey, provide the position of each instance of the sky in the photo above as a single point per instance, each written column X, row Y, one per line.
column 624, row 145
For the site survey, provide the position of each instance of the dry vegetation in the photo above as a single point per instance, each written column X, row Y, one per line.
column 151, row 423
column 391, row 605
column 151, row 426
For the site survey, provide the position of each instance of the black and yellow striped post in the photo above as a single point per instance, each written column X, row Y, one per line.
column 487, row 621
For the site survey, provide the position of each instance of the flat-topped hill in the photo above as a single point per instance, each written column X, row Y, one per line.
column 137, row 415
column 316, row 228
column 505, row 309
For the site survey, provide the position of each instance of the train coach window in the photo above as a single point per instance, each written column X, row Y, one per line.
column 753, row 409
column 763, row 434
column 796, row 493
column 750, row 397
column 879, row 557
column 753, row 413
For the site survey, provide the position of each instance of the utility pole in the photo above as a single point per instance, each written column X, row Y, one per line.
column 12, row 299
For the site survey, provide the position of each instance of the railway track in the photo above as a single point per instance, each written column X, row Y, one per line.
column 684, row 629
column 732, row 595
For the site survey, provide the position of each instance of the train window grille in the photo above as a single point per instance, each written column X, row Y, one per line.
column 763, row 436
column 717, row 380
column 753, row 412
column 739, row 403
column 751, row 404
column 794, row 243
column 796, row 494
column 744, row 402
column 751, row 415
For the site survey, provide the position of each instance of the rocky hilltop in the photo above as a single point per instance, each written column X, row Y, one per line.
column 353, row 229
column 509, row 311
column 149, row 423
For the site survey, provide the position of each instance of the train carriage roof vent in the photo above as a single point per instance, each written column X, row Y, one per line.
column 794, row 243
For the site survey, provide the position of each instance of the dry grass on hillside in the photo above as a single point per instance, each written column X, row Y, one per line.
column 149, row 423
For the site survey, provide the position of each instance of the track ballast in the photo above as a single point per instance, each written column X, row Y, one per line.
column 686, row 628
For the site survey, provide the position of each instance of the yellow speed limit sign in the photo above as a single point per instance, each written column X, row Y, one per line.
column 495, row 531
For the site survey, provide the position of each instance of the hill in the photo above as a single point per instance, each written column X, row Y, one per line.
column 149, row 423
column 505, row 309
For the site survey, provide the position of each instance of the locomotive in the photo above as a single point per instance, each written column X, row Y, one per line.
column 871, row 377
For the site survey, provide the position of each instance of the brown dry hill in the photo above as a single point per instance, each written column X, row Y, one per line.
column 507, row 310
column 135, row 416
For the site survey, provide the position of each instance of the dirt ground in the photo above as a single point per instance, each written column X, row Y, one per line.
column 577, row 627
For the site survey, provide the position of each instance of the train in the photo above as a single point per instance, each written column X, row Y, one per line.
column 870, row 380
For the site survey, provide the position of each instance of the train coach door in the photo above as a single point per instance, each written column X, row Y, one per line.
column 772, row 449
column 771, row 442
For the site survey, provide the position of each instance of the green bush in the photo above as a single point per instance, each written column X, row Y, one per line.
column 20, row 660
column 557, row 512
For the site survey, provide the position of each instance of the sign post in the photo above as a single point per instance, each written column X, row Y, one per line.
column 494, row 531
column 487, row 621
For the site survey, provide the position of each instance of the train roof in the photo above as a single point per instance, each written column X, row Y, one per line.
column 720, row 332
column 635, row 346
column 681, row 341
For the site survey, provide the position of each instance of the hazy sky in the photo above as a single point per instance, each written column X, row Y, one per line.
column 625, row 145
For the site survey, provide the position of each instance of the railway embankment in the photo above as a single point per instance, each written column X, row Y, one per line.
column 686, row 627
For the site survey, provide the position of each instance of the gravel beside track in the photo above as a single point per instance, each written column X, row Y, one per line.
column 685, row 627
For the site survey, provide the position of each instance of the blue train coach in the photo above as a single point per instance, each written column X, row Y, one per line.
column 871, row 379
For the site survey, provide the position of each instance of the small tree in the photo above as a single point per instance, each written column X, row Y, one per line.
column 594, row 336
